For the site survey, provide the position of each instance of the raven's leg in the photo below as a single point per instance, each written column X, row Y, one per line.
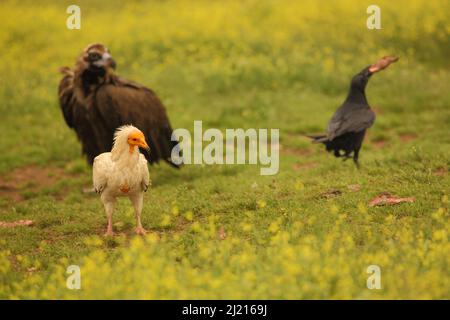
column 337, row 154
column 346, row 155
column 355, row 157
column 358, row 147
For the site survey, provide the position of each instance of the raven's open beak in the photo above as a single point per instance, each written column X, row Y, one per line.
column 383, row 63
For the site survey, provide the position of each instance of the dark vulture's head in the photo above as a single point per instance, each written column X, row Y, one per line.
column 97, row 59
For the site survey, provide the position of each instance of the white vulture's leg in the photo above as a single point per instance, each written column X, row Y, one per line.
column 109, row 209
column 137, row 201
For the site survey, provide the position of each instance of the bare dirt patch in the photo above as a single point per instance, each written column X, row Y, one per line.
column 385, row 198
column 299, row 152
column 440, row 172
column 332, row 193
column 379, row 144
column 29, row 179
column 407, row 137
column 304, row 166
column 16, row 223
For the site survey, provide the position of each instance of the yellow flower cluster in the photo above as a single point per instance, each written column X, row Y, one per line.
column 292, row 264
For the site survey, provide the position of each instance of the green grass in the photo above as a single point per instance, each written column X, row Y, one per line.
column 232, row 65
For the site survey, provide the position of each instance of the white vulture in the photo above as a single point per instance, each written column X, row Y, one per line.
column 123, row 172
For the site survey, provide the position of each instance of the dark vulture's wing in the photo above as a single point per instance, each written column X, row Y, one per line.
column 65, row 93
column 76, row 117
column 350, row 119
column 125, row 102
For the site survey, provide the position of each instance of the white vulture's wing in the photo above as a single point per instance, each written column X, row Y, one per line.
column 101, row 170
column 144, row 172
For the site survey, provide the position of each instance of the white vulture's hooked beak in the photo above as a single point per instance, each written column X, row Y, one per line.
column 145, row 146
column 138, row 139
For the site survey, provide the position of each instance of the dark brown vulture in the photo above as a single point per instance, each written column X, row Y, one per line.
column 95, row 102
column 349, row 123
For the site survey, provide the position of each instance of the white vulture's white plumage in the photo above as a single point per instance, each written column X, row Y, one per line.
column 123, row 172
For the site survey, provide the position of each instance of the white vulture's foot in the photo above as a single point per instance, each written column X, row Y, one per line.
column 88, row 190
column 109, row 233
column 141, row 231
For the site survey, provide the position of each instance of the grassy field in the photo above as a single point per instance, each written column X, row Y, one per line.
column 226, row 231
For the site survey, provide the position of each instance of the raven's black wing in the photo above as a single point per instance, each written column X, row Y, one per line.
column 350, row 118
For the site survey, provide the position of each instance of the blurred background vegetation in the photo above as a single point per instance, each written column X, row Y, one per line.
column 255, row 55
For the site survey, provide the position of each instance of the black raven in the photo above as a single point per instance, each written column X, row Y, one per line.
column 348, row 125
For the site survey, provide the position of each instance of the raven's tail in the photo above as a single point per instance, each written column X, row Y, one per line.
column 330, row 145
column 318, row 138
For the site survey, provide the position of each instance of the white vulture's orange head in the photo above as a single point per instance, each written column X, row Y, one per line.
column 131, row 137
column 137, row 138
